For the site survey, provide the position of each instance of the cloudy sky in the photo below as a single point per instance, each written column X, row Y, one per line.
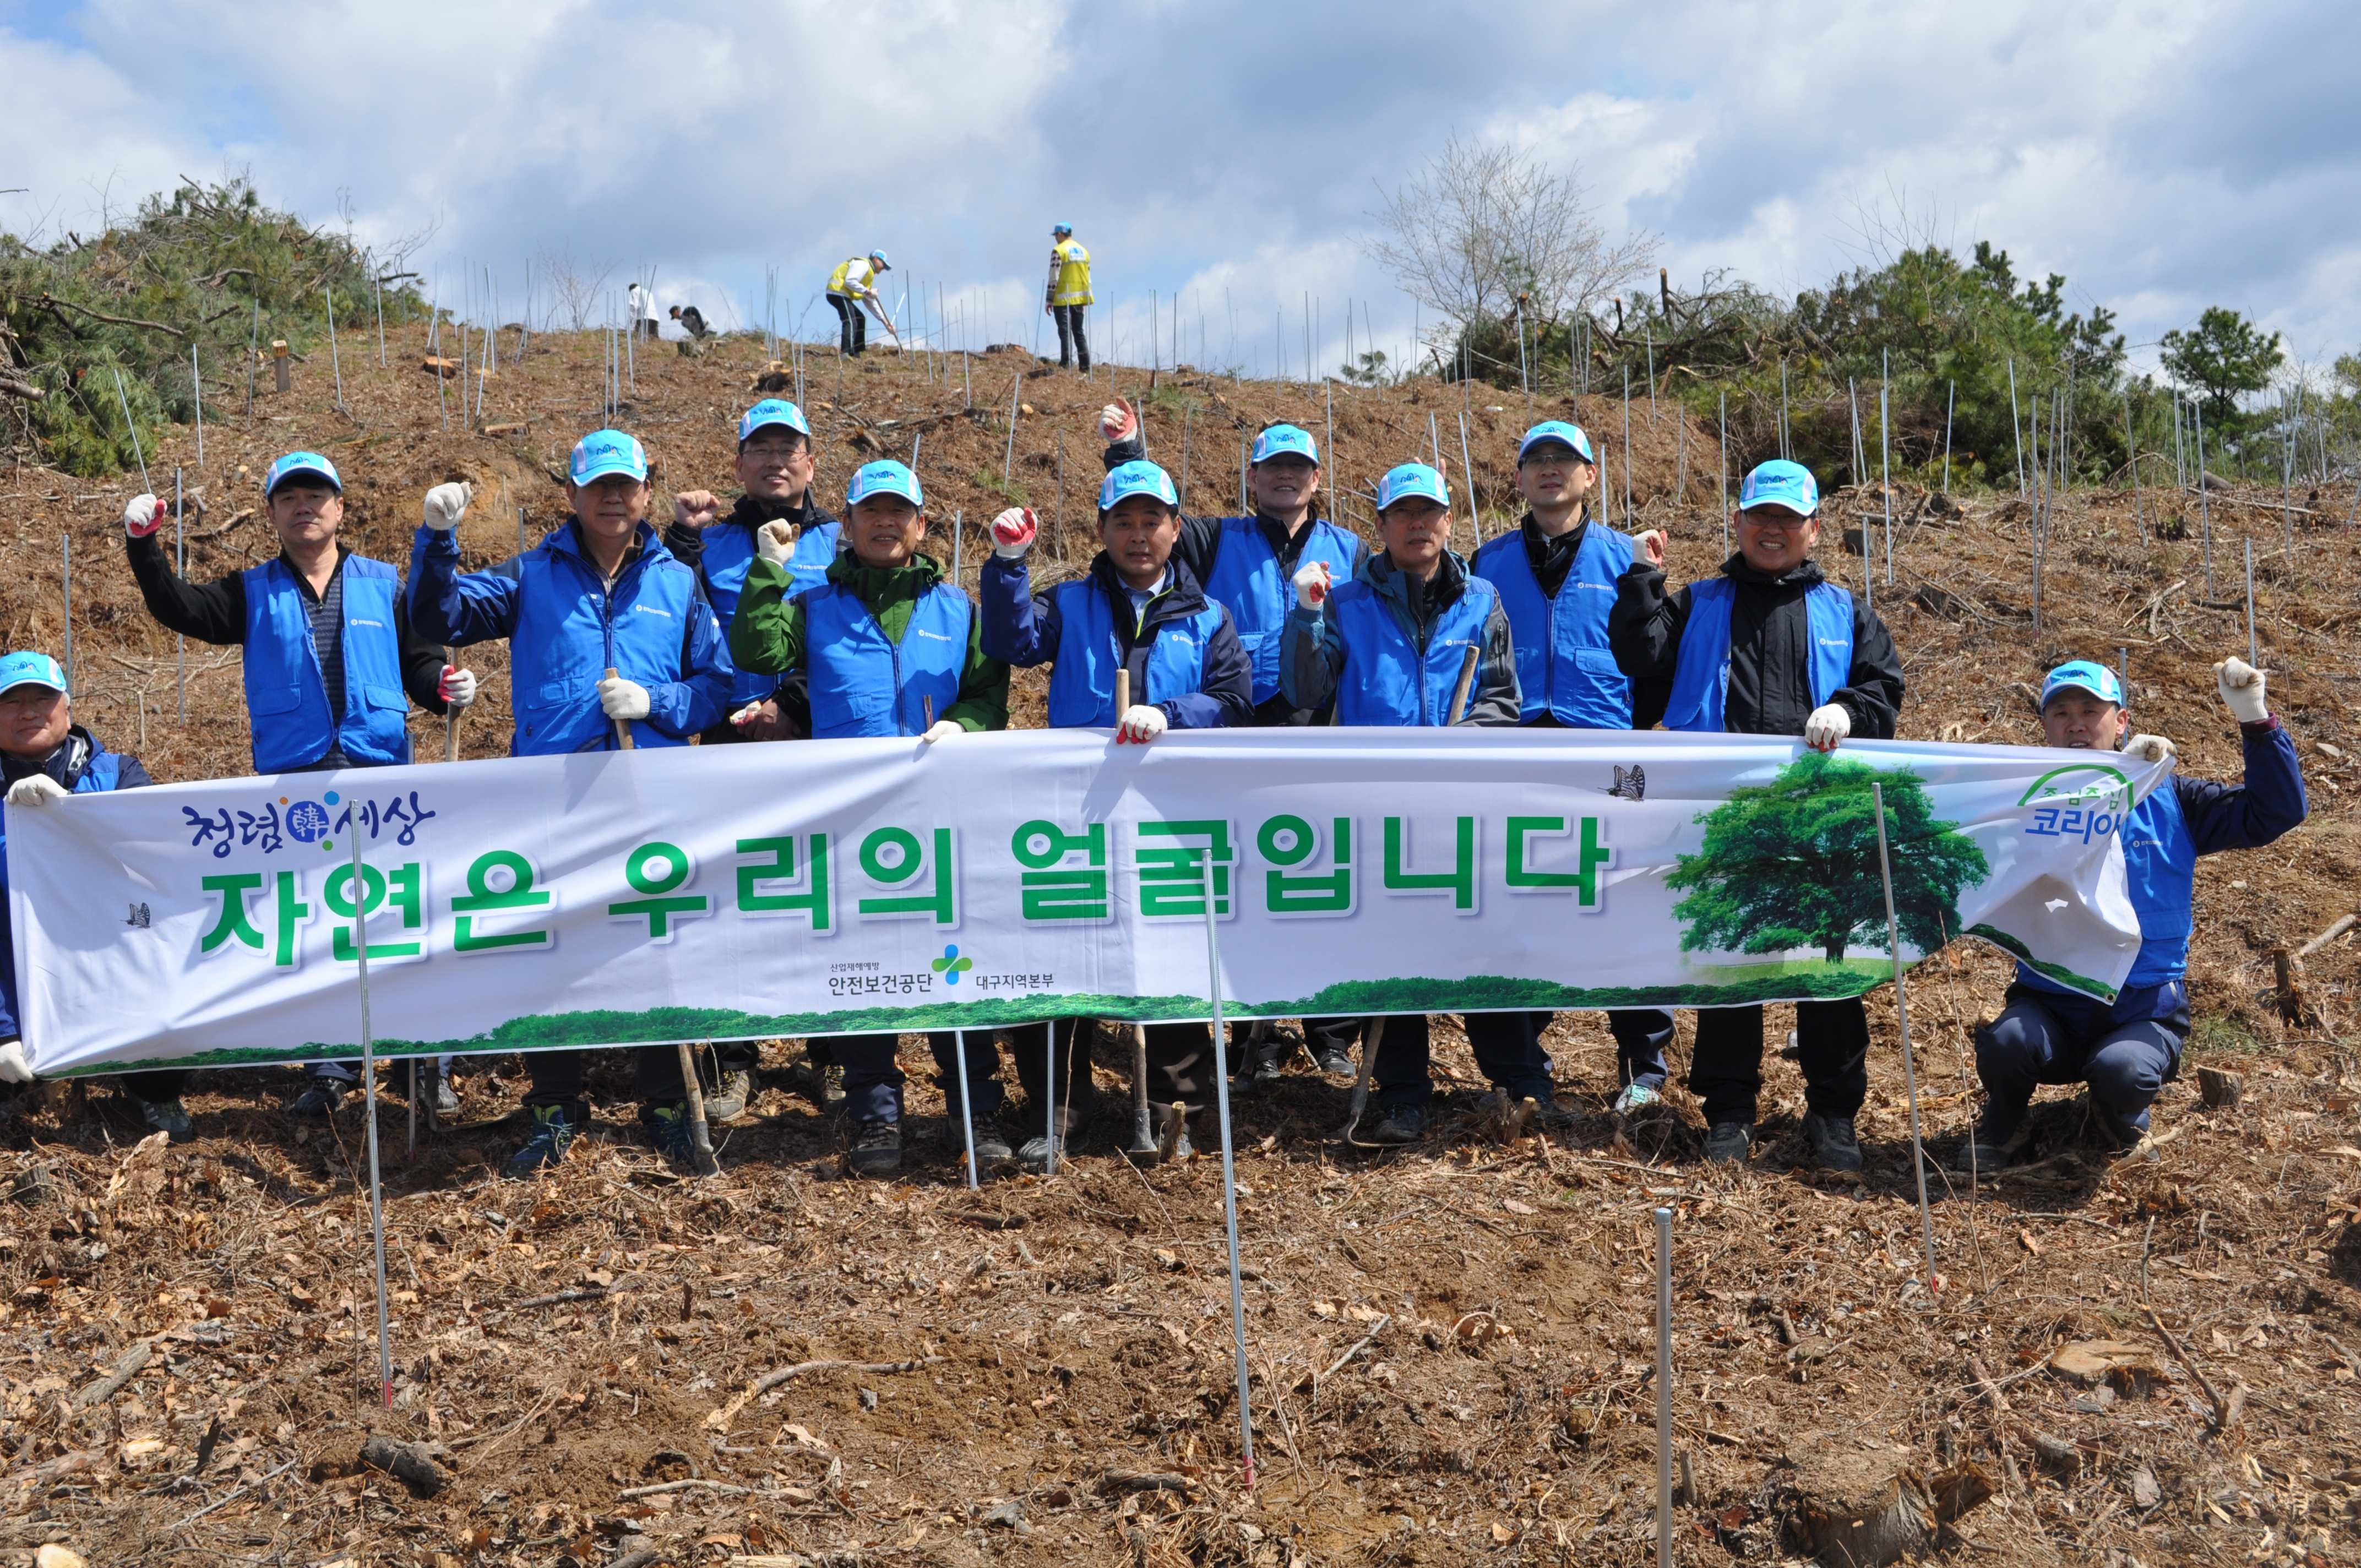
column 2164, row 154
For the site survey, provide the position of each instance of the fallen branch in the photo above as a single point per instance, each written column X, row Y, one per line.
column 2222, row 1410
column 54, row 304
column 1986, row 1386
column 26, row 390
column 769, row 1380
column 1146, row 1481
column 241, row 1492
column 2343, row 924
column 588, row 1293
column 629, row 1492
column 63, row 1464
column 1375, row 1330
column 415, row 1464
column 127, row 1367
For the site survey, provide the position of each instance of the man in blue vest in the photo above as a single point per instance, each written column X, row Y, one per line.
column 2126, row 1050
column 602, row 593
column 1388, row 648
column 45, row 757
column 1767, row 646
column 1137, row 610
column 1556, row 579
column 331, row 664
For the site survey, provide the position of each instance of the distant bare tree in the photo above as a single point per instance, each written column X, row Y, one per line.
column 575, row 290
column 1485, row 225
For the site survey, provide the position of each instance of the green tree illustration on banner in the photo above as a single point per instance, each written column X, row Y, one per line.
column 1793, row 863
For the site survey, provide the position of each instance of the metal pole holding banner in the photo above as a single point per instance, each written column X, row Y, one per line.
column 65, row 586
column 1663, row 1388
column 1909, row 1069
column 1229, row 1172
column 368, row 1099
column 179, row 640
column 967, row 1112
column 2253, row 655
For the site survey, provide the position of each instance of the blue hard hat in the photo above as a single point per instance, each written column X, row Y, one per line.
column 2083, row 675
column 25, row 669
column 296, row 463
column 1412, row 480
column 1286, row 440
column 770, row 412
column 884, row 478
column 1780, row 483
column 1564, row 434
column 883, row 265
column 1139, row 478
column 605, row 451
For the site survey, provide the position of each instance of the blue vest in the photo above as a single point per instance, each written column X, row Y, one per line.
column 286, row 697
column 1564, row 667
column 1081, row 687
column 2160, row 862
column 569, row 632
column 863, row 682
column 1385, row 681
column 1702, row 676
column 728, row 550
column 1248, row 582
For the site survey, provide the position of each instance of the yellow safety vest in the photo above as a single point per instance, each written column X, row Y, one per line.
column 842, row 282
column 1073, row 265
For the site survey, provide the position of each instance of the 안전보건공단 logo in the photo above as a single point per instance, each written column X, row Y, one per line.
column 951, row 966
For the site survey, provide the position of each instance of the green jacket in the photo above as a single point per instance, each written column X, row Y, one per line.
column 767, row 632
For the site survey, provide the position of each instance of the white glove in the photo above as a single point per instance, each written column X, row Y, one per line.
column 1652, row 547
column 1013, row 533
column 13, row 1067
column 1825, row 727
column 142, row 515
column 36, row 789
column 1117, row 422
column 445, row 505
column 1312, row 584
column 944, row 729
column 458, row 687
column 2150, row 748
column 620, row 698
column 2240, row 686
column 777, row 540
column 1141, row 723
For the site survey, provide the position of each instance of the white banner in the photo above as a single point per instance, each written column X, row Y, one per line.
column 750, row 892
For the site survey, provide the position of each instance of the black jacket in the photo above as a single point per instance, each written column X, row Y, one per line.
column 1770, row 649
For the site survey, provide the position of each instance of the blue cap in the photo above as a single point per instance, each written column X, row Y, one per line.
column 30, row 670
column 1139, row 477
column 2083, row 675
column 605, row 451
column 296, row 463
column 1281, row 440
column 1410, row 481
column 1060, row 228
column 885, row 478
column 771, row 411
column 1556, row 430
column 1780, row 483
column 883, row 265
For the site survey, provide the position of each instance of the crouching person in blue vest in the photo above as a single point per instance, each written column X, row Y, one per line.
column 1388, row 647
column 331, row 663
column 1139, row 611
column 2126, row 1050
column 1557, row 577
column 1767, row 646
column 45, row 757
column 887, row 647
column 600, row 593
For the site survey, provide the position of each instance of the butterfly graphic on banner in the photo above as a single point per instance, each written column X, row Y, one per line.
column 1631, row 784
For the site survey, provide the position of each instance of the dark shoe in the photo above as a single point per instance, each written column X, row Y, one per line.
column 1334, row 1061
column 1833, row 1142
column 1403, row 1125
column 877, row 1147
column 728, row 1098
column 1033, row 1154
column 552, row 1135
column 671, row 1131
column 169, row 1117
column 990, row 1149
column 1726, row 1142
column 1988, row 1149
column 319, row 1099
column 823, row 1082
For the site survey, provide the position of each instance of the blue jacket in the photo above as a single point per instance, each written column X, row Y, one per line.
column 1702, row 674
column 2162, row 838
column 721, row 553
column 1565, row 667
column 1248, row 579
column 84, row 767
column 1389, row 652
column 1184, row 655
column 865, row 682
column 565, row 631
column 287, row 696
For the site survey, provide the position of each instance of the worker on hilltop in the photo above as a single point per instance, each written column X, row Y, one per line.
column 2127, row 1049
column 852, row 289
column 643, row 302
column 1068, row 296
column 691, row 319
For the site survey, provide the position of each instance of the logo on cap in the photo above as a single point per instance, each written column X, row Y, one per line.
column 2083, row 675
column 1139, row 478
column 884, row 478
column 1556, row 430
column 769, row 412
column 1412, row 480
column 297, row 463
column 30, row 669
column 1284, row 439
column 605, row 451
column 1780, row 483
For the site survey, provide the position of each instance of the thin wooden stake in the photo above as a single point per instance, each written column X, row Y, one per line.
column 369, row 1088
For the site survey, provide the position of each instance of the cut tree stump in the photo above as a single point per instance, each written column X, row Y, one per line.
column 416, row 1464
column 1864, row 1510
column 2219, row 1087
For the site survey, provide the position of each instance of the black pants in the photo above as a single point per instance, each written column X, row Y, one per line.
column 1726, row 1067
column 1072, row 335
column 1064, row 1082
column 158, row 1084
column 557, row 1079
column 852, row 332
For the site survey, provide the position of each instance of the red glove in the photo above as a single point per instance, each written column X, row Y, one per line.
column 1013, row 533
column 1117, row 421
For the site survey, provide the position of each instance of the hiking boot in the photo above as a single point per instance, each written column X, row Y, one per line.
column 1726, row 1142
column 1988, row 1150
column 823, row 1084
column 876, row 1148
column 990, row 1149
column 1403, row 1125
column 1266, row 1063
column 1638, row 1100
column 319, row 1099
column 670, row 1130
column 552, row 1135
column 169, row 1117
column 1833, row 1142
column 1033, row 1154
column 1334, row 1059
column 728, row 1098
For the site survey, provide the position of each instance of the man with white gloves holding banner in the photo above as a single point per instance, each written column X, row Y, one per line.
column 1140, row 612
column 1414, row 639
column 45, row 757
column 328, row 656
column 1767, row 646
column 2125, row 1051
column 887, row 648
column 1556, row 579
column 609, row 636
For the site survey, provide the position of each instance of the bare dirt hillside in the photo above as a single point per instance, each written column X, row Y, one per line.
column 1451, row 1347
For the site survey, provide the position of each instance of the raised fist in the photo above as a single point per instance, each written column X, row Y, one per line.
column 1827, row 726
column 777, row 540
column 2240, row 686
column 1312, row 584
column 1117, row 421
column 1652, row 547
column 142, row 515
column 2150, row 748
column 445, row 505
column 695, row 508
column 1013, row 533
